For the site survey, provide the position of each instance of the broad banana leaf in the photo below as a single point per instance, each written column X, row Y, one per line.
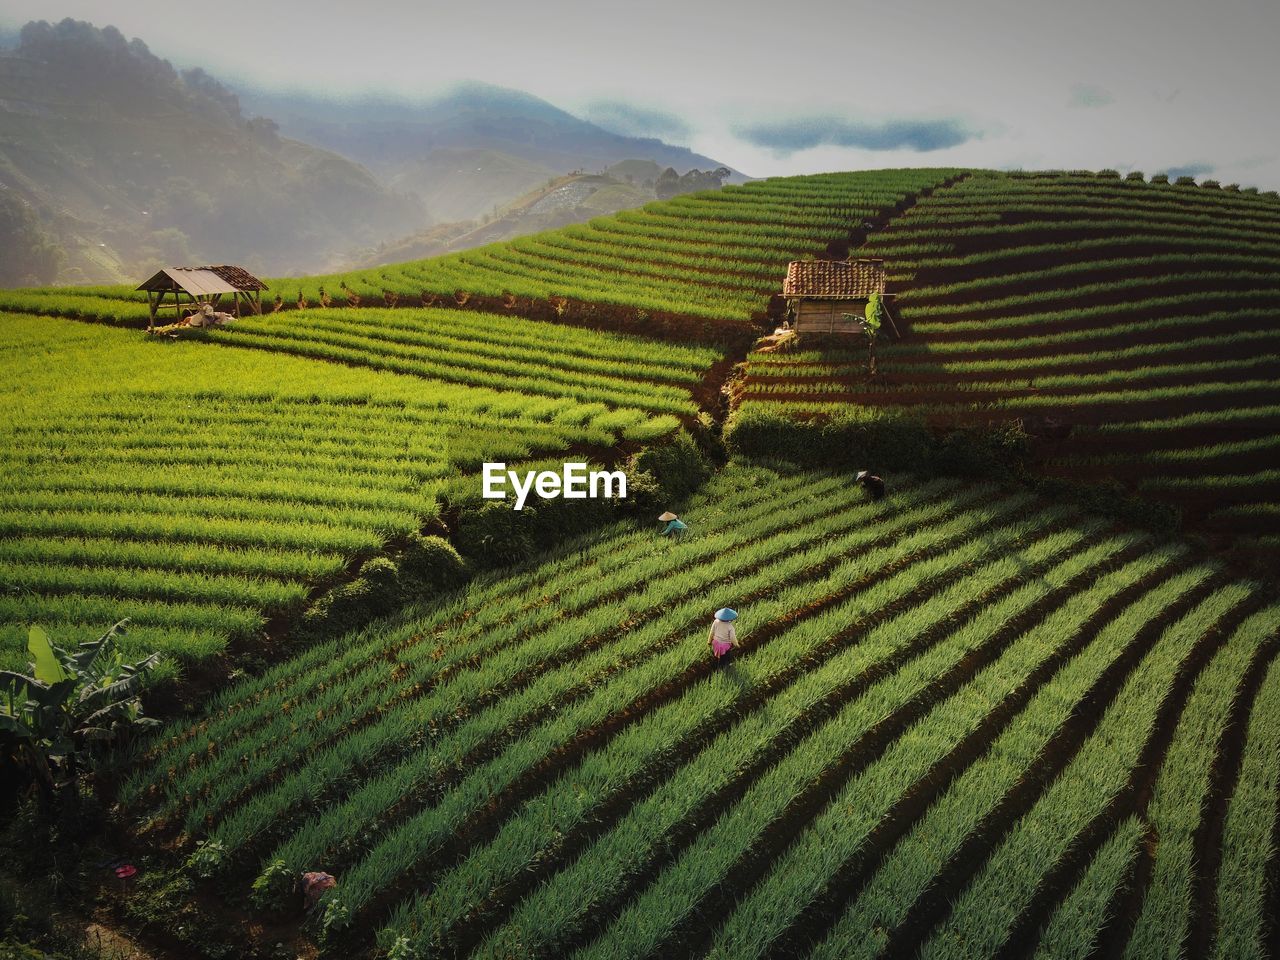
column 82, row 662
column 16, row 684
column 14, row 728
column 126, row 688
column 44, row 659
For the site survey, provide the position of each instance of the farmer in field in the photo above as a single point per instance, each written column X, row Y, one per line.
column 722, row 638
column 675, row 527
column 872, row 484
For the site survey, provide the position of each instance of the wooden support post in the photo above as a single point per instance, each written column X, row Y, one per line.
column 889, row 317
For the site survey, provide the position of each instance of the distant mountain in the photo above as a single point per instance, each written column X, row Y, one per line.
column 468, row 150
column 575, row 198
column 124, row 162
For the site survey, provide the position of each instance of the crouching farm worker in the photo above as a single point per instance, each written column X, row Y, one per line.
column 722, row 638
column 674, row 525
column 872, row 484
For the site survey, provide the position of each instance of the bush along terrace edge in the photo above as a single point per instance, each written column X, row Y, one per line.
column 475, row 535
column 857, row 438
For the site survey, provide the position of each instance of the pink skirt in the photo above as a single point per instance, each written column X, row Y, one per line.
column 721, row 647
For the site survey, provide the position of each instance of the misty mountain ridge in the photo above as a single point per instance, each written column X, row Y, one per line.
column 125, row 162
column 467, row 149
column 112, row 161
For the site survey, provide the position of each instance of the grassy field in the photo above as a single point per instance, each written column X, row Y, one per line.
column 714, row 256
column 960, row 695
column 200, row 491
column 1138, row 316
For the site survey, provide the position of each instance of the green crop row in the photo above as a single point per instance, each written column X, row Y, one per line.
column 643, row 750
column 191, row 488
column 1248, row 839
column 710, row 861
column 982, row 916
column 918, row 856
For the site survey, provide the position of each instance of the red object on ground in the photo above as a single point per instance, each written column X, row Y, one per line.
column 125, row 871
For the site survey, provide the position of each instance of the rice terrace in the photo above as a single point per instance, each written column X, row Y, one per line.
column 866, row 564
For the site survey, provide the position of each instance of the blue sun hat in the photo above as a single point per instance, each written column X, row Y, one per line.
column 724, row 613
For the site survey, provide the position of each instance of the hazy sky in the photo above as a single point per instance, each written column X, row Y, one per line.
column 789, row 87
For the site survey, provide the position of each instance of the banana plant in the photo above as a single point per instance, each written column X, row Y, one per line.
column 70, row 703
column 872, row 318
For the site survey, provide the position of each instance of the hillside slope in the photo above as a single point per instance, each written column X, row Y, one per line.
column 201, row 490
column 127, row 162
column 701, row 266
column 961, row 695
column 1133, row 328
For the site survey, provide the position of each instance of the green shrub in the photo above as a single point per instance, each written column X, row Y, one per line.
column 864, row 438
column 492, row 534
column 1160, row 178
column 1185, row 182
column 207, row 859
column 431, row 565
column 274, row 886
column 1111, row 499
column 678, row 465
column 1135, row 175
column 555, row 521
column 645, row 496
column 860, row 437
column 1211, row 185
column 998, row 451
column 374, row 593
column 1109, row 174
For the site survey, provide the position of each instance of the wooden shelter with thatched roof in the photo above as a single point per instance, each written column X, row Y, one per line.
column 203, row 285
column 821, row 292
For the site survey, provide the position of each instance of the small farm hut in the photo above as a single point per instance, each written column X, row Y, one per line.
column 203, row 285
column 821, row 292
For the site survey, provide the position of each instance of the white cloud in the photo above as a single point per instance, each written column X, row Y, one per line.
column 1183, row 86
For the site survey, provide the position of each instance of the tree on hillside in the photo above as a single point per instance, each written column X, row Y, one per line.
column 670, row 184
column 31, row 258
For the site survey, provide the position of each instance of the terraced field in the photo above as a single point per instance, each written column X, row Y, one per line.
column 715, row 256
column 1131, row 325
column 199, row 490
column 964, row 722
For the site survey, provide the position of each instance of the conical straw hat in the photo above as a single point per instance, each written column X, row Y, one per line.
column 668, row 516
